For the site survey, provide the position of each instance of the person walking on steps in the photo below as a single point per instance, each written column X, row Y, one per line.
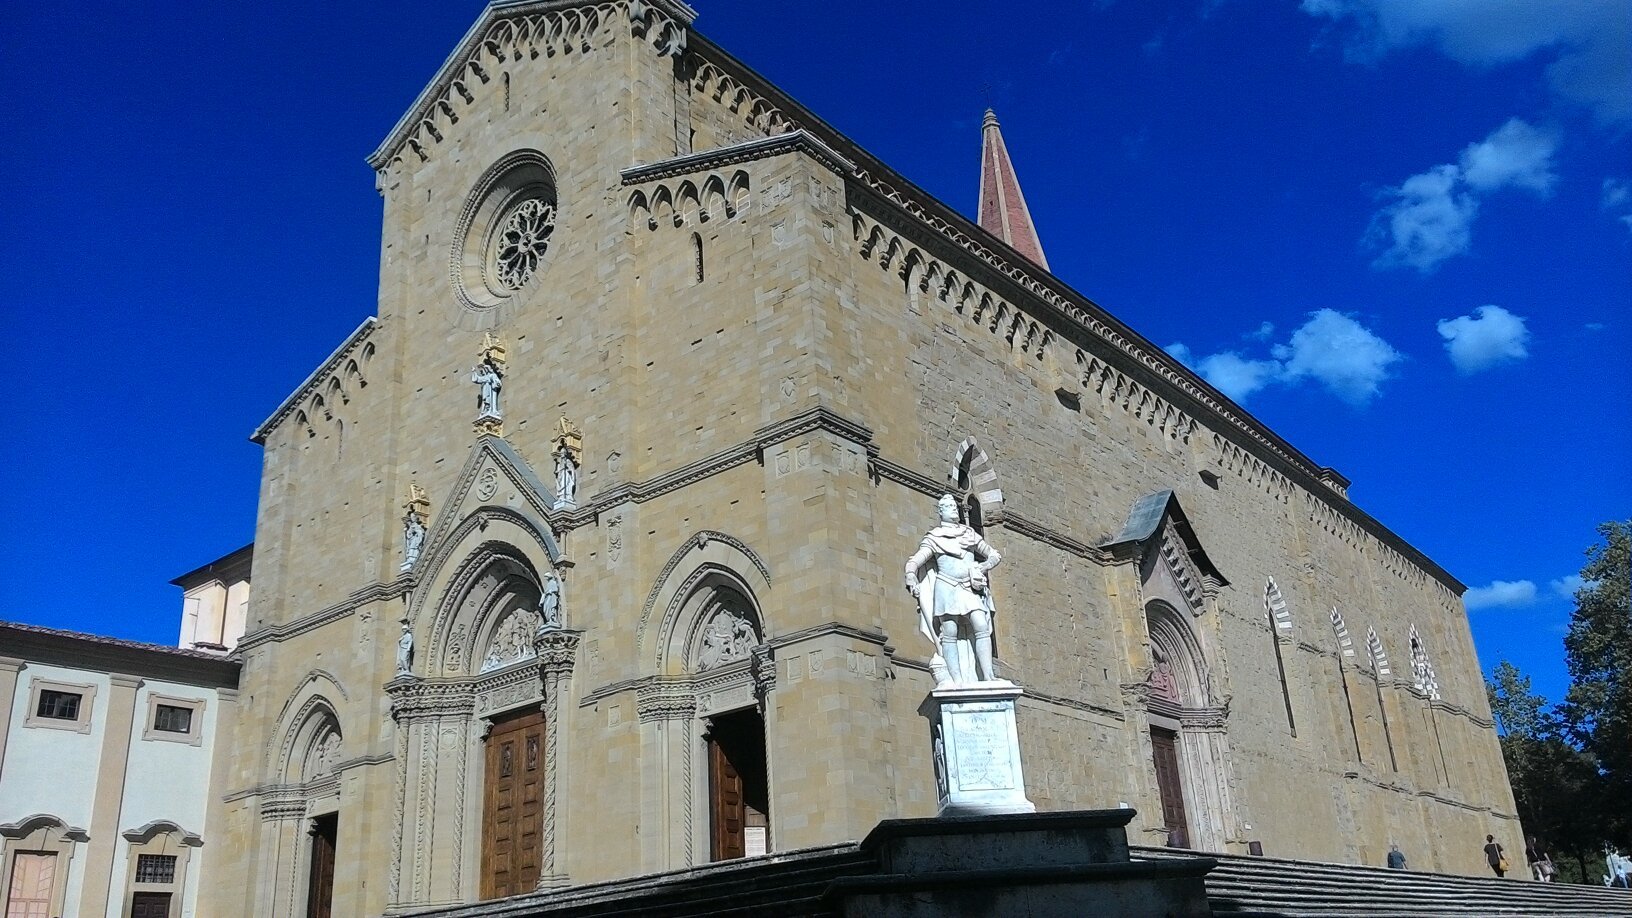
column 1494, row 856
column 1396, row 858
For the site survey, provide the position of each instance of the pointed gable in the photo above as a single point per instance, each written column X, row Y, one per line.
column 1156, row 520
column 494, row 475
column 1003, row 210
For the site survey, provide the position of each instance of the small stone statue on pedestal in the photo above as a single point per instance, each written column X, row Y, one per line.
column 405, row 650
column 568, row 453
column 489, row 378
column 417, row 509
column 549, row 606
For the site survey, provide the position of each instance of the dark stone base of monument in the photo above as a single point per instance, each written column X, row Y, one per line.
column 1034, row 864
column 1037, row 865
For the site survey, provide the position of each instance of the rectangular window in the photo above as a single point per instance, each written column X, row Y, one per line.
column 58, row 705
column 33, row 880
column 172, row 718
column 155, row 868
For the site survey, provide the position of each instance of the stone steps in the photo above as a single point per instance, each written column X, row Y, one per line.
column 788, row 884
column 1267, row 886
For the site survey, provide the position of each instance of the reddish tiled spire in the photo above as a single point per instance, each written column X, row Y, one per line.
column 1003, row 211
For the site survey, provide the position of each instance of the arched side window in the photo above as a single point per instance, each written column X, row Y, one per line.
column 1345, row 648
column 974, row 478
column 1280, row 619
column 1380, row 668
column 1422, row 671
column 697, row 257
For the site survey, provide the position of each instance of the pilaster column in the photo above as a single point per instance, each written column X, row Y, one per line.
column 9, row 668
column 110, row 793
column 557, row 654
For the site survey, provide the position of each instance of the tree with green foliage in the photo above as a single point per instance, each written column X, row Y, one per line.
column 1571, row 765
column 1598, row 649
column 1555, row 785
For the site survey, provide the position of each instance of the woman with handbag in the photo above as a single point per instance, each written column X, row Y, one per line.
column 1495, row 857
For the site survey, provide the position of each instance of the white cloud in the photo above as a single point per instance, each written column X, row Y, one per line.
column 1514, row 154
column 1430, row 215
column 1585, row 40
column 1330, row 348
column 1340, row 353
column 1237, row 376
column 1495, row 337
column 1501, row 593
column 1616, row 199
column 1566, row 586
column 1429, row 221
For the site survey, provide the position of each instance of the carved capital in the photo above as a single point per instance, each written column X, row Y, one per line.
column 557, row 651
column 762, row 666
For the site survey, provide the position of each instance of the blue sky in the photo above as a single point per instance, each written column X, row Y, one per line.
column 1399, row 232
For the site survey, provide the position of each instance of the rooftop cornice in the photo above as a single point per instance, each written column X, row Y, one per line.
column 54, row 646
column 888, row 187
column 301, row 391
column 800, row 141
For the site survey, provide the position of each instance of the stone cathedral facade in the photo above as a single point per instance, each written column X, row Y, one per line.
column 582, row 558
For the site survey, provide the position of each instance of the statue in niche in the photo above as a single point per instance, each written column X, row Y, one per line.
column 513, row 640
column 417, row 511
column 728, row 636
column 568, row 453
column 490, row 379
column 549, row 607
column 955, row 609
column 405, row 650
column 413, row 539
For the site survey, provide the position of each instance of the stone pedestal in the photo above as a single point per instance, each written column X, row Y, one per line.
column 977, row 749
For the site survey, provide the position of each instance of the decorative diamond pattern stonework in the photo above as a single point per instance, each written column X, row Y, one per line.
column 521, row 243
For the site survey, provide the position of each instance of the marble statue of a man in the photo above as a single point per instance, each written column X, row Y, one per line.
column 947, row 575
column 487, row 376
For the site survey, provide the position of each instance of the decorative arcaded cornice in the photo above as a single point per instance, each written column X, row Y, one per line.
column 795, row 141
column 506, row 30
column 324, row 369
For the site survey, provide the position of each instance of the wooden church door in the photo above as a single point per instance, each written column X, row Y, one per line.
column 739, row 792
column 1164, row 749
column 512, row 806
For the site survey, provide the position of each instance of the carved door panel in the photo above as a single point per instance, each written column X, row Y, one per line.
column 1164, row 749
column 512, row 806
column 320, row 878
column 150, row 905
column 729, row 816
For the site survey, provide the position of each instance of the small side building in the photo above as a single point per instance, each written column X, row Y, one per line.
column 106, row 750
column 215, row 602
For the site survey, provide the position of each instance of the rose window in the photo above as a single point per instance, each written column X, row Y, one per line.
column 522, row 241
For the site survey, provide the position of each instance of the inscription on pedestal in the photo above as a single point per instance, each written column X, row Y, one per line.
column 983, row 760
column 977, row 750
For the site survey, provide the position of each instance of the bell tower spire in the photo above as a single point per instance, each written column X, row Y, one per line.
column 1003, row 211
